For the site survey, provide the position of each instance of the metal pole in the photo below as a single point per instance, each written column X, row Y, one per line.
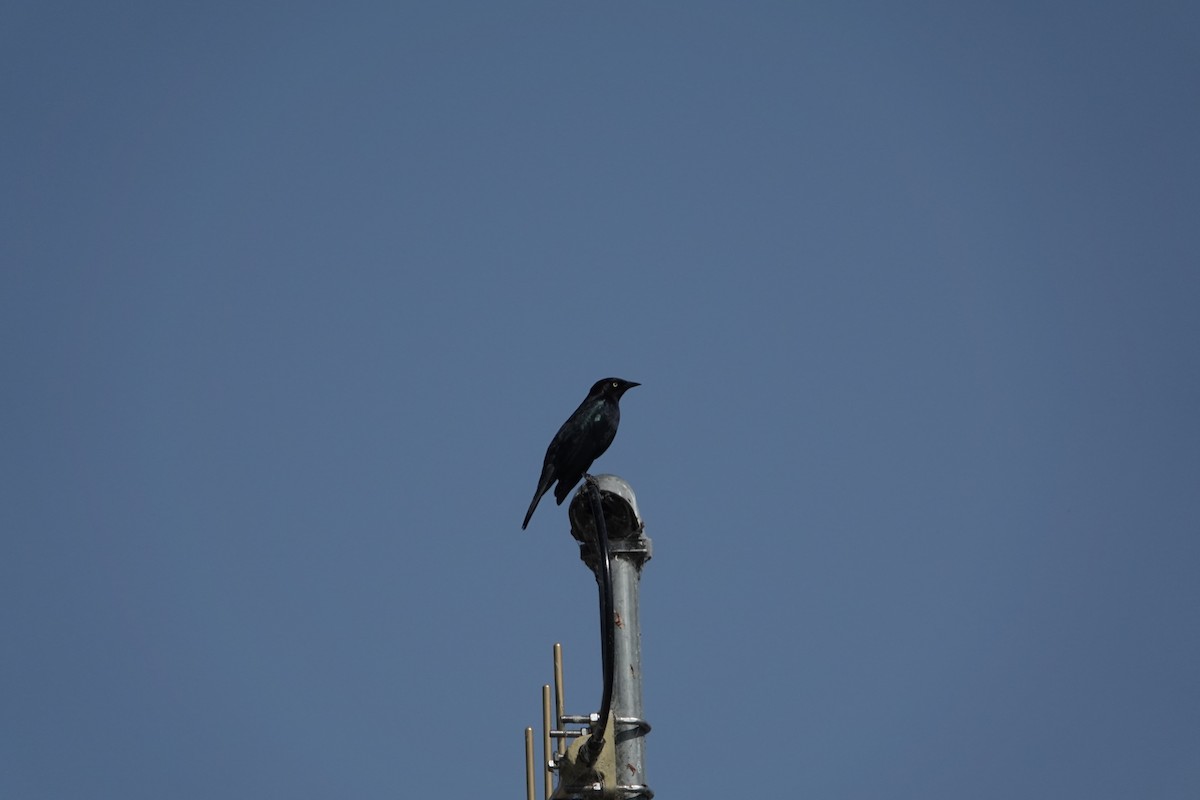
column 547, row 755
column 629, row 550
column 530, row 790
column 559, row 701
column 627, row 679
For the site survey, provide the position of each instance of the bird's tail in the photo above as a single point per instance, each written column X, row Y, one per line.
column 547, row 478
column 532, row 506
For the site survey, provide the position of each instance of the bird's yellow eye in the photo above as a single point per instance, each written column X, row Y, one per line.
column 614, row 384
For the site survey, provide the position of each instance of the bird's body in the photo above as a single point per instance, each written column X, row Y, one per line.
column 582, row 439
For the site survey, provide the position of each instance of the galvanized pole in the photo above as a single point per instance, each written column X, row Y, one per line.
column 629, row 550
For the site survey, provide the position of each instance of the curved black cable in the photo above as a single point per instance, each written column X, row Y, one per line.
column 608, row 619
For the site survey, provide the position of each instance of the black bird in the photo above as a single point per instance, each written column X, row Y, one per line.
column 581, row 440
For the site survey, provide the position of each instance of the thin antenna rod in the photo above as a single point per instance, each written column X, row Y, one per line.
column 547, row 755
column 559, row 702
column 530, row 792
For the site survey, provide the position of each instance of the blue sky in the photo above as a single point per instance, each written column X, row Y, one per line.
column 295, row 295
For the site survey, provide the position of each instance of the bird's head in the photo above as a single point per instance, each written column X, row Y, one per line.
column 612, row 388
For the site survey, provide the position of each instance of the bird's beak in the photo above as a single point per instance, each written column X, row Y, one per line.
column 631, row 384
